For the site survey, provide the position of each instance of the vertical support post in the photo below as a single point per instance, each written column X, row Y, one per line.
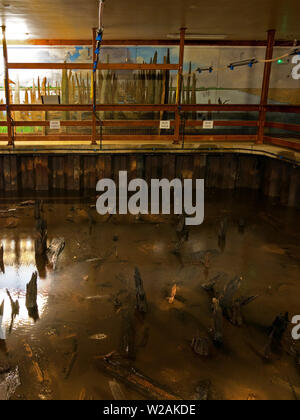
column 266, row 86
column 94, row 98
column 179, row 86
column 7, row 91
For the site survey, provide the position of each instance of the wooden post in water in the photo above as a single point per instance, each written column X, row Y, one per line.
column 266, row 86
column 10, row 133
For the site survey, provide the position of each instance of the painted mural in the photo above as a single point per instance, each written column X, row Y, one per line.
column 222, row 86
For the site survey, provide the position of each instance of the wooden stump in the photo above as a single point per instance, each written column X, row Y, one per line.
column 31, row 298
column 141, row 300
column 41, row 239
column 37, row 209
column 2, row 268
column 55, row 249
column 31, row 292
column 217, row 322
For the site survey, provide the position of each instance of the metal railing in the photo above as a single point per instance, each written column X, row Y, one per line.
column 186, row 120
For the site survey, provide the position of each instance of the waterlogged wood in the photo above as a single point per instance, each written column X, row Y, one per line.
column 54, row 250
column 182, row 229
column 201, row 345
column 201, row 257
column 116, row 391
column 77, row 173
column 172, row 296
column 141, row 300
column 278, row 330
column 202, row 391
column 248, row 172
column 58, row 173
column 234, row 314
column 72, row 359
column 128, row 348
column 136, row 380
column 230, row 289
column 15, row 310
column 10, row 173
column 37, row 209
column 232, row 305
column 27, row 171
column 222, row 231
column 15, row 306
column 2, row 268
column 229, row 172
column 41, row 239
column 89, row 174
column 209, row 287
column 41, row 173
column 168, row 166
column 31, row 293
column 179, row 245
column 182, row 232
column 217, row 322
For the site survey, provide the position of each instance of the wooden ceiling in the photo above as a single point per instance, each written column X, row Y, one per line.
column 151, row 19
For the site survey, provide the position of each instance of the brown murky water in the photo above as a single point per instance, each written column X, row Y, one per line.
column 58, row 359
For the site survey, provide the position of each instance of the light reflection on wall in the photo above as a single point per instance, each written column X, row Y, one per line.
column 19, row 263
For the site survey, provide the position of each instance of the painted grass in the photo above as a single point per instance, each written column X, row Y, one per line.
column 20, row 130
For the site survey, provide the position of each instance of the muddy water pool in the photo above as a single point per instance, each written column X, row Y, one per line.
column 83, row 304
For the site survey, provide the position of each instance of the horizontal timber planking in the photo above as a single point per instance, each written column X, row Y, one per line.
column 282, row 142
column 63, row 173
column 283, row 126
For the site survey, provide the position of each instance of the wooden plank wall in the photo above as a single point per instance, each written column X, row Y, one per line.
column 77, row 173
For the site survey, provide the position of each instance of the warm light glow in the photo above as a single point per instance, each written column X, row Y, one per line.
column 29, row 244
column 16, row 30
column 19, row 267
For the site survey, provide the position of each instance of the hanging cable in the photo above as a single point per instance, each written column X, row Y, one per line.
column 99, row 38
column 295, row 50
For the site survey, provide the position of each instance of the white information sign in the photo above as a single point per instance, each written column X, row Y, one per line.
column 165, row 125
column 54, row 125
column 208, row 125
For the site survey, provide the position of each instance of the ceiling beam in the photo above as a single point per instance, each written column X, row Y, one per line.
column 157, row 42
